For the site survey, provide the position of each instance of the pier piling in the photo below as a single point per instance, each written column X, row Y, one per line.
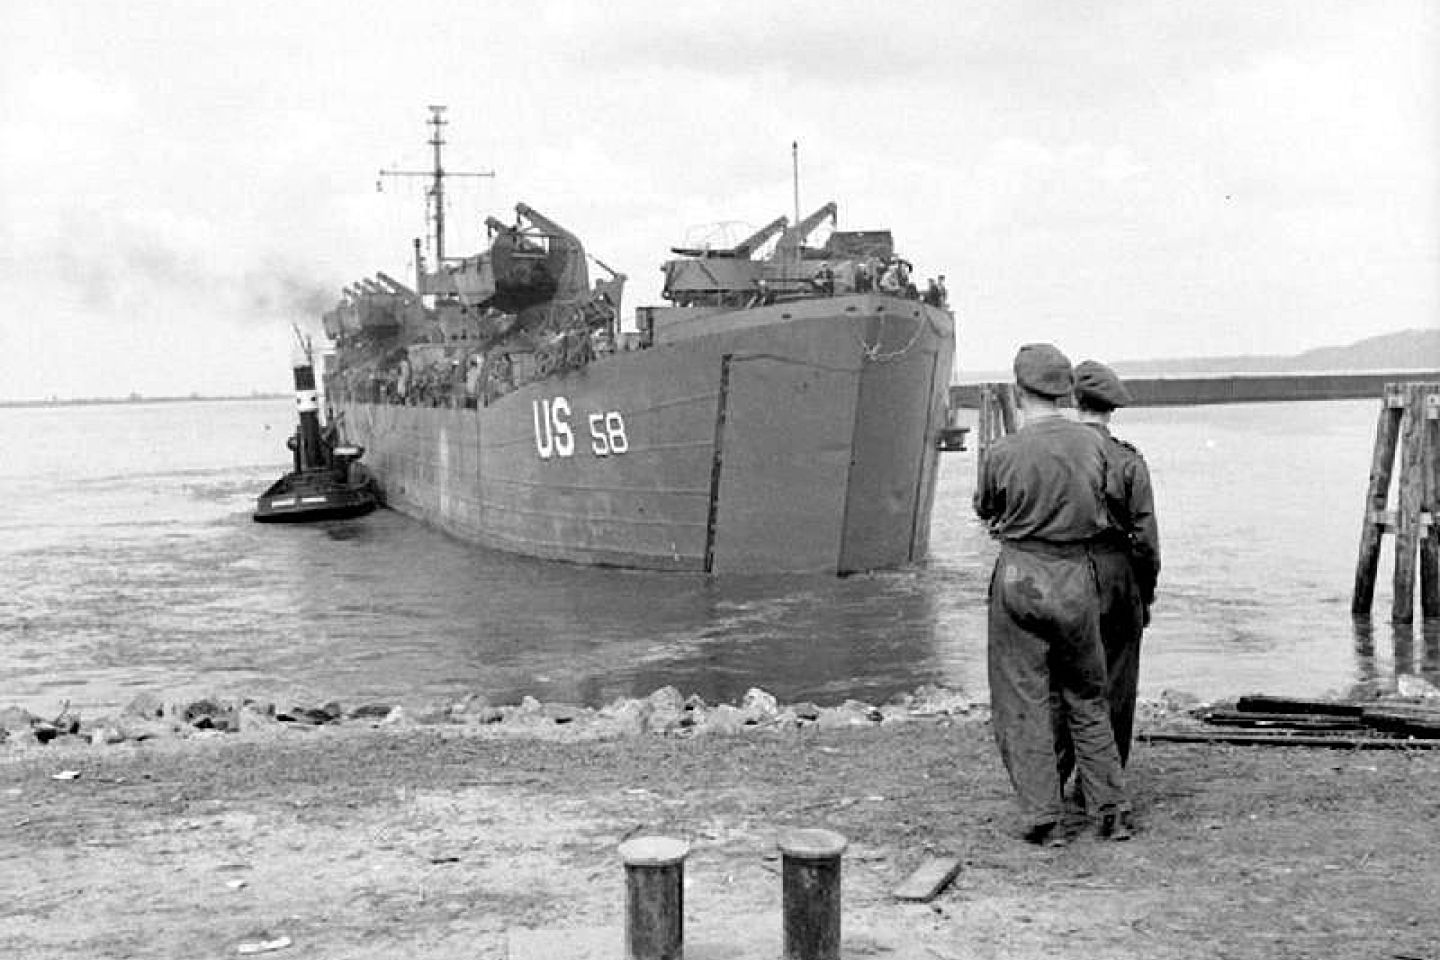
column 1409, row 424
column 1430, row 542
column 997, row 416
column 654, row 898
column 810, row 880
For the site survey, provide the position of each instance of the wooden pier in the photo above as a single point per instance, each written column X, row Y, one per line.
column 1409, row 425
column 1204, row 389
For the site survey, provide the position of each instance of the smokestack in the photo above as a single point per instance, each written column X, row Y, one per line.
column 308, row 452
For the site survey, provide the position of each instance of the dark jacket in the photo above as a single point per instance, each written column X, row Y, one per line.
column 1131, row 501
column 1045, row 482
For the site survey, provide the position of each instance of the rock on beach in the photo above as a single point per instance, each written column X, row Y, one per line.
column 666, row 712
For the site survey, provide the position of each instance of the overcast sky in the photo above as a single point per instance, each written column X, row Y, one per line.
column 180, row 181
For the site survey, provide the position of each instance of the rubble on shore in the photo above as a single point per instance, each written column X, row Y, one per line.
column 666, row 712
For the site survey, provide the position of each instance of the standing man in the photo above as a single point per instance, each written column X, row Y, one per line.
column 1128, row 561
column 1042, row 492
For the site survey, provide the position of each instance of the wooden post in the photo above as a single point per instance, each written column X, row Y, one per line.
column 810, row 878
column 1430, row 508
column 1364, row 648
column 984, row 427
column 987, row 415
column 654, row 898
column 997, row 418
column 1408, row 424
column 1402, row 639
column 1008, row 415
column 1387, row 436
column 1407, row 515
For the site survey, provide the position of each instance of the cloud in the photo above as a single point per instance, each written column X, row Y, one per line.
column 1157, row 176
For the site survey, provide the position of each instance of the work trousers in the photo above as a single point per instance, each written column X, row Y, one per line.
column 1044, row 635
column 1122, row 623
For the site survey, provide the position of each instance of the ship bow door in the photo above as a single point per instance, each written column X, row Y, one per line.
column 782, row 459
column 892, row 485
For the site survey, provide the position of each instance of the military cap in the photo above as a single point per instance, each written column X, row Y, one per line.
column 1041, row 368
column 1097, row 387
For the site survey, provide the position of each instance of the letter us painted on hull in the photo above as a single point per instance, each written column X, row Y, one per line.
column 555, row 433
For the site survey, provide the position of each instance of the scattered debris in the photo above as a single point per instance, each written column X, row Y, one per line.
column 1331, row 723
column 1289, row 740
column 928, row 879
column 263, row 946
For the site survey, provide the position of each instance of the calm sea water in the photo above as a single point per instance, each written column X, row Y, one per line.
column 131, row 563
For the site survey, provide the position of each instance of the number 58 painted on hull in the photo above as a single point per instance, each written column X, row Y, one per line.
column 555, row 436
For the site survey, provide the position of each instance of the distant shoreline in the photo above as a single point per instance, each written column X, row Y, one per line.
column 106, row 401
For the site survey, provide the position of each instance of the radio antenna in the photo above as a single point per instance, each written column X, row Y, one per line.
column 795, row 174
column 437, row 174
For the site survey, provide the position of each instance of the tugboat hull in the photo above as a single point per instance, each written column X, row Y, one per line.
column 330, row 505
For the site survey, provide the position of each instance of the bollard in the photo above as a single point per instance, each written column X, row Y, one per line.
column 654, row 898
column 811, row 892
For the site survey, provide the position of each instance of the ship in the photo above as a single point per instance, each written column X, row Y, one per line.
column 782, row 411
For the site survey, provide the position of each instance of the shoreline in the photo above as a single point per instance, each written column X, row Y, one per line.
column 665, row 712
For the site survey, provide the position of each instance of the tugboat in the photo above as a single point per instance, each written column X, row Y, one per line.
column 328, row 482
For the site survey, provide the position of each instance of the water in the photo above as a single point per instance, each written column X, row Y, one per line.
column 131, row 563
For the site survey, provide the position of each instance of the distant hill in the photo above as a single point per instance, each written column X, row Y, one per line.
column 1405, row 350
column 137, row 398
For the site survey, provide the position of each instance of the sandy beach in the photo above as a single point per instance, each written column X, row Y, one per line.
column 463, row 838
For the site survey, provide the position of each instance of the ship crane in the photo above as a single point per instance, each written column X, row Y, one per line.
column 745, row 248
column 792, row 241
column 742, row 250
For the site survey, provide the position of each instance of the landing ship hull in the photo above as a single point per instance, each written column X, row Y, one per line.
column 797, row 436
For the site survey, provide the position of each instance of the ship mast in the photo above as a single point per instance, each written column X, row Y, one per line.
column 795, row 174
column 435, row 195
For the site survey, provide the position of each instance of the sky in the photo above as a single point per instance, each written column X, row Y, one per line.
column 181, row 181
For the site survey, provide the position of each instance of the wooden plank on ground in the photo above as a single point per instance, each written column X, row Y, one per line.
column 1396, row 718
column 1297, row 721
column 928, row 879
column 1262, row 703
column 1295, row 740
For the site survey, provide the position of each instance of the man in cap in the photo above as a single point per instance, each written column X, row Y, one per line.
column 1041, row 491
column 824, row 279
column 1127, row 560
